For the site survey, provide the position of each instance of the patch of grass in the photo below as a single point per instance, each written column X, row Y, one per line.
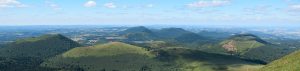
column 110, row 49
column 195, row 60
column 245, row 67
column 290, row 62
column 44, row 46
column 125, row 57
column 28, row 54
column 112, row 56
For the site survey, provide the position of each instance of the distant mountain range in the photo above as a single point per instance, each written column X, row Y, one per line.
column 174, row 35
column 247, row 46
column 138, row 34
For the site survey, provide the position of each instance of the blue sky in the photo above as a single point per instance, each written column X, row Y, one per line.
column 149, row 12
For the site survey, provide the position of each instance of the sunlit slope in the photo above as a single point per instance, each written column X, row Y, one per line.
column 252, row 47
column 43, row 46
column 235, row 45
column 248, row 46
column 125, row 57
column 110, row 56
column 110, row 49
column 290, row 62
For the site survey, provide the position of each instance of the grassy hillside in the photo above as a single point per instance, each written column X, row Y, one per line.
column 235, row 45
column 27, row 54
column 138, row 34
column 266, row 54
column 195, row 60
column 290, row 62
column 240, row 46
column 110, row 49
column 124, row 57
column 181, row 37
column 44, row 46
column 249, row 47
column 253, row 48
column 111, row 56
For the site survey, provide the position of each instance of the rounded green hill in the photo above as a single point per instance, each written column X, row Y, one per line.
column 242, row 43
column 109, row 49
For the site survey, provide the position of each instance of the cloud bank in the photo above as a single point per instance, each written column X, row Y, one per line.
column 11, row 3
column 90, row 4
column 209, row 3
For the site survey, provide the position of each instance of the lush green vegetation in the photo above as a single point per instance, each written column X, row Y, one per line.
column 173, row 35
column 266, row 54
column 247, row 46
column 29, row 53
column 242, row 43
column 171, row 32
column 43, row 47
column 195, row 60
column 22, row 64
column 290, row 62
column 138, row 34
column 110, row 49
column 169, row 49
column 111, row 56
column 124, row 57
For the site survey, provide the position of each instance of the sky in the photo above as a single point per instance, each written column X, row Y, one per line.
column 149, row 12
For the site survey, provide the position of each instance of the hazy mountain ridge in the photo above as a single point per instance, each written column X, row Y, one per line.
column 244, row 45
column 172, row 35
column 139, row 33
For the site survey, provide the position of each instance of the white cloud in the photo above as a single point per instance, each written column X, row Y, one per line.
column 11, row 3
column 294, row 8
column 110, row 5
column 209, row 3
column 90, row 4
